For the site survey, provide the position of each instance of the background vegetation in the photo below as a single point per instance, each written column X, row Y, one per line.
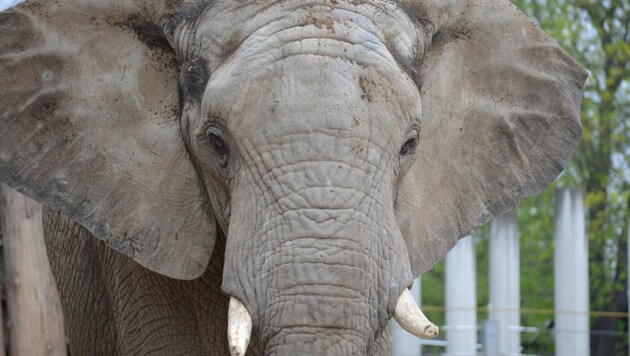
column 597, row 34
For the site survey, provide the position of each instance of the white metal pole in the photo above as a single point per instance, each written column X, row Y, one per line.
column 461, row 299
column 582, row 295
column 571, row 274
column 402, row 342
column 505, row 300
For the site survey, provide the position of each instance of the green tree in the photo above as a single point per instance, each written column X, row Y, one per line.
column 597, row 34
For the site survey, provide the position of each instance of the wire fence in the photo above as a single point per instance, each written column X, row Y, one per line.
column 533, row 311
column 537, row 333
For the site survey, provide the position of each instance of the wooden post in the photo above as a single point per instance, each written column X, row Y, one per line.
column 2, row 353
column 35, row 315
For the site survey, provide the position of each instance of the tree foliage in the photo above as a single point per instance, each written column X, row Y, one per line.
column 597, row 34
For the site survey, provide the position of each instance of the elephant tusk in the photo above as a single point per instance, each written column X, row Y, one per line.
column 239, row 327
column 412, row 319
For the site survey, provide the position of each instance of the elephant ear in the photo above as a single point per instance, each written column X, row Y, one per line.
column 89, row 124
column 500, row 120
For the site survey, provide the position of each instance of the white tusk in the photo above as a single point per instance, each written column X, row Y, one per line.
column 412, row 319
column 239, row 327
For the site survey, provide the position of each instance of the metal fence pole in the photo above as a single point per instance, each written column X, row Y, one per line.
column 571, row 274
column 491, row 336
column 505, row 299
column 461, row 299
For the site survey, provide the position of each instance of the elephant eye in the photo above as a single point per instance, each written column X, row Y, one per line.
column 215, row 139
column 409, row 146
column 218, row 143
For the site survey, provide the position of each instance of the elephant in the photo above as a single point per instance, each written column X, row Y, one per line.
column 268, row 177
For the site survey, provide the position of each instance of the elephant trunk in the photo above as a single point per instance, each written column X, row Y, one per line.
column 321, row 266
column 324, row 303
column 315, row 343
column 406, row 313
column 320, row 293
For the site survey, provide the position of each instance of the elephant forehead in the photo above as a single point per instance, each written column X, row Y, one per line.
column 234, row 25
column 305, row 66
column 303, row 93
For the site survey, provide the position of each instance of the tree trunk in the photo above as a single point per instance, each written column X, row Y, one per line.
column 35, row 315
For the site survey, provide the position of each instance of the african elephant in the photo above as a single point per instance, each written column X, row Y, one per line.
column 281, row 169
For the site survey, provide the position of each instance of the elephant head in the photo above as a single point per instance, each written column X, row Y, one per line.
column 342, row 146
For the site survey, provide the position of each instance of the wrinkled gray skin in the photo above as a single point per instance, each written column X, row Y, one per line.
column 319, row 154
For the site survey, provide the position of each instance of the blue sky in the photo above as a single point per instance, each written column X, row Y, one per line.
column 8, row 3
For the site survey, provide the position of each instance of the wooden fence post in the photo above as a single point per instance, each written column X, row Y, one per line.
column 2, row 353
column 35, row 315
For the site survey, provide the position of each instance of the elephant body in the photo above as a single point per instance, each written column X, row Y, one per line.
column 114, row 306
column 271, row 174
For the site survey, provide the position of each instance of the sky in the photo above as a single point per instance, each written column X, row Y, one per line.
column 4, row 4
